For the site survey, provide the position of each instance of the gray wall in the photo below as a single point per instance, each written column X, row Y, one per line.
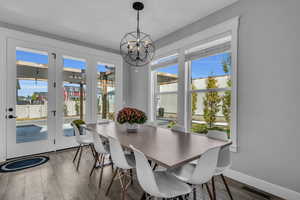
column 268, row 86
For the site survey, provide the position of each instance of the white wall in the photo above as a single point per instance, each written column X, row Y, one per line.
column 268, row 71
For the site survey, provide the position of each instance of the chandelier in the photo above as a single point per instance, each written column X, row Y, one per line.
column 137, row 48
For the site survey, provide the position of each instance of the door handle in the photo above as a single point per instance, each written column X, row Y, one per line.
column 53, row 112
column 11, row 117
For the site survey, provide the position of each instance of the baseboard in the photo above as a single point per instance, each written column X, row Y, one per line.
column 260, row 184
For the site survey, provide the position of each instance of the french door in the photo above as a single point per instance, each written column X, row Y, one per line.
column 30, row 112
column 47, row 89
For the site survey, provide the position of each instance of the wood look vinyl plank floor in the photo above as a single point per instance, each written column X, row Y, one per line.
column 58, row 180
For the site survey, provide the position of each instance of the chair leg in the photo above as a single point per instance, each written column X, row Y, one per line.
column 213, row 187
column 227, row 188
column 194, row 193
column 209, row 193
column 95, row 163
column 102, row 168
column 111, row 182
column 76, row 153
column 92, row 150
column 112, row 164
column 79, row 158
column 131, row 176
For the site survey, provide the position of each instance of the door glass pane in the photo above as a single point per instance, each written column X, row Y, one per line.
column 210, row 111
column 74, row 84
column 217, row 66
column 105, row 92
column 31, row 95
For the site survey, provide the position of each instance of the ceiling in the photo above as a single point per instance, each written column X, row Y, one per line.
column 104, row 22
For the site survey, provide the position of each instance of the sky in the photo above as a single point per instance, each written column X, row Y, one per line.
column 201, row 68
column 28, row 87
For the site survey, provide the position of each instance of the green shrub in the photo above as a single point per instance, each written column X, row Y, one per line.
column 203, row 128
column 171, row 124
column 78, row 122
column 199, row 128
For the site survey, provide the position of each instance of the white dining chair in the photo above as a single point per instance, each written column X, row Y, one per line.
column 158, row 184
column 82, row 140
column 124, row 163
column 224, row 161
column 201, row 173
column 101, row 151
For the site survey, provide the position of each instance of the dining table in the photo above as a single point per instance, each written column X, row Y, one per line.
column 165, row 147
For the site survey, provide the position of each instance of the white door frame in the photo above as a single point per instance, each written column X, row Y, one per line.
column 27, row 148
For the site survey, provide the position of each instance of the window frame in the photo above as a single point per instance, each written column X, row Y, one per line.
column 183, row 90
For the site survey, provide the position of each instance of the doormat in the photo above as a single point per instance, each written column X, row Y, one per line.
column 23, row 163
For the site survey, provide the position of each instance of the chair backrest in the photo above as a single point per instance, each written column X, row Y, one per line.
column 117, row 153
column 145, row 174
column 224, row 155
column 205, row 167
column 76, row 130
column 98, row 143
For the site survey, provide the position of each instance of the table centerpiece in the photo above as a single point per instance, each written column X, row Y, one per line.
column 131, row 117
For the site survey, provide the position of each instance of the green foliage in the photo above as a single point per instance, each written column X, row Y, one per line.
column 78, row 122
column 34, row 97
column 131, row 116
column 226, row 98
column 226, row 64
column 194, row 100
column 226, row 104
column 203, row 128
column 77, row 107
column 199, row 128
column 211, row 102
column 171, row 124
column 65, row 110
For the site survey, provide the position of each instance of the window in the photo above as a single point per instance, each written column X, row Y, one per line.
column 210, row 93
column 165, row 77
column 105, row 91
column 206, row 82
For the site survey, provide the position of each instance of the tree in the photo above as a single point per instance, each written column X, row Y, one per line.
column 65, row 110
column 34, row 97
column 226, row 98
column 194, row 100
column 77, row 107
column 211, row 102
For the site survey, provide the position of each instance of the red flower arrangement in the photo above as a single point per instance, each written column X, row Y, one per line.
column 131, row 116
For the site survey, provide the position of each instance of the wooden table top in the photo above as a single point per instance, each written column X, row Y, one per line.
column 165, row 147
